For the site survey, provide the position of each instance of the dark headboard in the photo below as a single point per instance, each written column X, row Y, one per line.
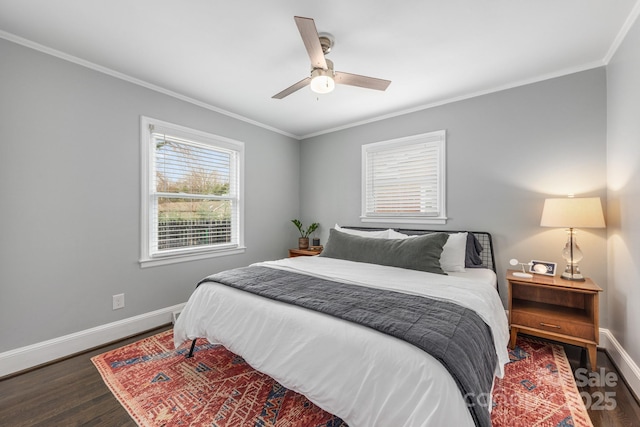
column 488, row 259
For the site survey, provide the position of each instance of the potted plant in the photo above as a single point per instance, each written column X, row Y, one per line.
column 303, row 241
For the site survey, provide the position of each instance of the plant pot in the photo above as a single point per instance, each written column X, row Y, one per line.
column 303, row 243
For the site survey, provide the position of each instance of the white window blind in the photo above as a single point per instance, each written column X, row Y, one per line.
column 403, row 179
column 193, row 193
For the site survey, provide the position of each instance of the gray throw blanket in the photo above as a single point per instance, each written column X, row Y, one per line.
column 454, row 335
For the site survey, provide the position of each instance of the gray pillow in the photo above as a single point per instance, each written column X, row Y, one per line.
column 419, row 253
column 474, row 249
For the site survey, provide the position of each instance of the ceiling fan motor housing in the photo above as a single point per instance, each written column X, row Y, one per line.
column 326, row 41
column 324, row 72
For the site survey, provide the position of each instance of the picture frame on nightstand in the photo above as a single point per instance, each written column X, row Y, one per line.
column 543, row 267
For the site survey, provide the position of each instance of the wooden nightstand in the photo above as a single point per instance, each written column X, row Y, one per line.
column 557, row 309
column 303, row 252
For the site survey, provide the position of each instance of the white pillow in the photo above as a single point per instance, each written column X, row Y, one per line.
column 393, row 234
column 383, row 234
column 453, row 253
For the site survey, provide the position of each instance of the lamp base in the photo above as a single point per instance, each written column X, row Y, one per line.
column 572, row 272
column 573, row 255
column 575, row 277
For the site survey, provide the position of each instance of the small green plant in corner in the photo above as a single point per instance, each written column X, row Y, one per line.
column 305, row 233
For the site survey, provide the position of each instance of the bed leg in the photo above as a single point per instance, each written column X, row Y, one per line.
column 193, row 346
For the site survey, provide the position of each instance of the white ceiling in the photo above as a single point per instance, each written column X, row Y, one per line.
column 232, row 56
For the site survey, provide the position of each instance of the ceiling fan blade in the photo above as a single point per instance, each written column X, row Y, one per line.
column 288, row 91
column 309, row 34
column 361, row 81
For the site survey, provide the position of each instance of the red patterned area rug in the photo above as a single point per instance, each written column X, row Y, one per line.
column 158, row 386
column 538, row 389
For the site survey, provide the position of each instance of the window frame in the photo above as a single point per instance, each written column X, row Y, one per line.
column 150, row 258
column 436, row 139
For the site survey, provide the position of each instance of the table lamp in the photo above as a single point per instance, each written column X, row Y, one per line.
column 571, row 213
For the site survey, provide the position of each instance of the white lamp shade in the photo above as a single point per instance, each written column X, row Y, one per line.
column 573, row 212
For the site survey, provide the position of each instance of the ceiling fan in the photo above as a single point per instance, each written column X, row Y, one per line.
column 323, row 78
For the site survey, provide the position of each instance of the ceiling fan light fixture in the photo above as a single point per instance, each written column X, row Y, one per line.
column 322, row 81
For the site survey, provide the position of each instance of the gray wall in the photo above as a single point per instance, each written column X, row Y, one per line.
column 623, row 157
column 69, row 181
column 70, row 197
column 506, row 152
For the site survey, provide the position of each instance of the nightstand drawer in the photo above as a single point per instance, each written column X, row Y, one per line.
column 551, row 324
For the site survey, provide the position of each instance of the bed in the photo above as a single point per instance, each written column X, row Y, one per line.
column 387, row 372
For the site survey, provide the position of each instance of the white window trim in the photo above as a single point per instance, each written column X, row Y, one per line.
column 146, row 155
column 439, row 139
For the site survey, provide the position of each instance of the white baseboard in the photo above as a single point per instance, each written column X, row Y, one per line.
column 625, row 364
column 19, row 359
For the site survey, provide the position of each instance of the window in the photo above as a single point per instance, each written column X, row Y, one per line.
column 404, row 180
column 191, row 194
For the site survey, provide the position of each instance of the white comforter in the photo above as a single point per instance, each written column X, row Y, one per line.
column 363, row 376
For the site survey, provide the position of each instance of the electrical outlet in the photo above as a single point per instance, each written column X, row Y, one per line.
column 118, row 301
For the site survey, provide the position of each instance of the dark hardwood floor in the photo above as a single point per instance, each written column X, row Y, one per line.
column 65, row 393
column 609, row 400
column 71, row 393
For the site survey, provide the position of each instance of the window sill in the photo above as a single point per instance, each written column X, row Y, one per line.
column 174, row 259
